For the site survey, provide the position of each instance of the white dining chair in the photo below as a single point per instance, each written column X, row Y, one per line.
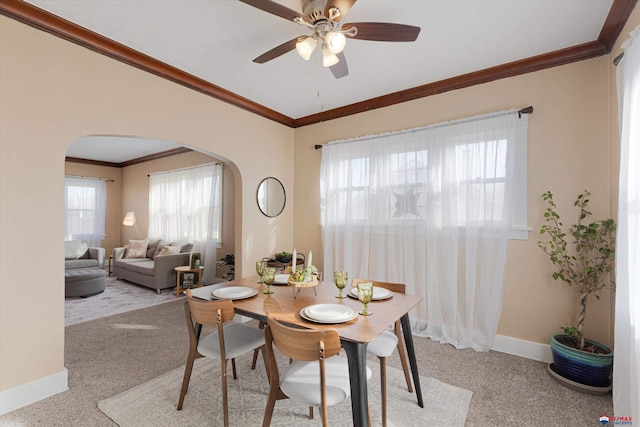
column 383, row 346
column 228, row 341
column 317, row 377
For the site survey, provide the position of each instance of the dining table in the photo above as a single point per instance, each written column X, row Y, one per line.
column 355, row 334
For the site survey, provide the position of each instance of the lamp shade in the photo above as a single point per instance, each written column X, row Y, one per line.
column 328, row 58
column 305, row 47
column 335, row 41
column 129, row 219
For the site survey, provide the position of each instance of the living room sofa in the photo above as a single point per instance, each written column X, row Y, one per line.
column 78, row 254
column 84, row 273
column 155, row 268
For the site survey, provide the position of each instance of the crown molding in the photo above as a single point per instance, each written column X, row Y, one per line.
column 132, row 162
column 45, row 21
column 50, row 23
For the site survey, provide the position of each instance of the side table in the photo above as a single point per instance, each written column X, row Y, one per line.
column 188, row 278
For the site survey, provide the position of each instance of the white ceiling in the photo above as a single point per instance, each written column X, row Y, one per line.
column 216, row 40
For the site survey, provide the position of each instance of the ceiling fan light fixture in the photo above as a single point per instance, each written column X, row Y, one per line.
column 328, row 58
column 305, row 47
column 335, row 41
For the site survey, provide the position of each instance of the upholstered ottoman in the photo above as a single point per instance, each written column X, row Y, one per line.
column 84, row 282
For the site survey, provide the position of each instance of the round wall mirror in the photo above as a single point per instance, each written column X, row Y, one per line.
column 271, row 197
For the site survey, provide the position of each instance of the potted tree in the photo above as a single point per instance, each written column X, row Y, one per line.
column 583, row 257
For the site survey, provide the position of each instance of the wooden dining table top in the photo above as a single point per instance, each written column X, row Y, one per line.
column 283, row 305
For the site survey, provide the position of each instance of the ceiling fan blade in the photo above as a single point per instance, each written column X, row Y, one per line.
column 340, row 69
column 277, row 51
column 342, row 5
column 274, row 8
column 383, row 31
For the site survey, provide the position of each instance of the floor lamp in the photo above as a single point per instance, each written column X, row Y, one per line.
column 129, row 220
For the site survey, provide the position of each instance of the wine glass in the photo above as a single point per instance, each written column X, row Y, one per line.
column 365, row 294
column 340, row 277
column 268, row 276
column 260, row 267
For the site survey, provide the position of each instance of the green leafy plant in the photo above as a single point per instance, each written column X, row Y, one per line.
column 583, row 256
column 228, row 260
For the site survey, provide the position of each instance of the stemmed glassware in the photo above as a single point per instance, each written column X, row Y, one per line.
column 365, row 294
column 268, row 276
column 260, row 267
column 340, row 277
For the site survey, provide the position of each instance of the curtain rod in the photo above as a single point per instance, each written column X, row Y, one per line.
column 89, row 177
column 526, row 110
column 184, row 169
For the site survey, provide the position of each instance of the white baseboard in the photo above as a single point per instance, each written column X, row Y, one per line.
column 522, row 348
column 26, row 394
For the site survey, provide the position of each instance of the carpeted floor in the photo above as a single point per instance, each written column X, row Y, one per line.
column 108, row 356
column 153, row 404
column 118, row 297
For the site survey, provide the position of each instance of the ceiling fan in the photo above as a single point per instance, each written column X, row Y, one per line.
column 324, row 19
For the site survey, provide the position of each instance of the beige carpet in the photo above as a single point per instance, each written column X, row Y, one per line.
column 154, row 402
column 119, row 296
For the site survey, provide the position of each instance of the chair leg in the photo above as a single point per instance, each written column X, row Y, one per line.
column 271, row 403
column 310, row 412
column 255, row 352
column 403, row 357
column 225, row 403
column 383, row 389
column 233, row 367
column 187, row 377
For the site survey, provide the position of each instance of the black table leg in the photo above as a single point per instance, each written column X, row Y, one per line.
column 411, row 352
column 357, row 355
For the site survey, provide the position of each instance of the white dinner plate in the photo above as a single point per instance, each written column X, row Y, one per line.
column 378, row 293
column 305, row 316
column 281, row 279
column 234, row 292
column 329, row 312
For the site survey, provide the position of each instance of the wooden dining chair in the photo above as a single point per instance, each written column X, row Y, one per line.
column 318, row 376
column 228, row 340
column 385, row 343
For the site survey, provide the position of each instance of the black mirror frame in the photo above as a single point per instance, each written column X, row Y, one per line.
column 284, row 194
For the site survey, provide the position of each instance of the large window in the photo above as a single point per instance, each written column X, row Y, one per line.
column 432, row 208
column 414, row 181
column 186, row 204
column 85, row 205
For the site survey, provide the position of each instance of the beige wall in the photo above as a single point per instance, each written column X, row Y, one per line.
column 52, row 93
column 568, row 151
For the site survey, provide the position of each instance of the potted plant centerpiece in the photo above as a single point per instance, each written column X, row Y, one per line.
column 583, row 257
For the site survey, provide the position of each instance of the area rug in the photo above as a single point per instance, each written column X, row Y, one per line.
column 118, row 297
column 154, row 402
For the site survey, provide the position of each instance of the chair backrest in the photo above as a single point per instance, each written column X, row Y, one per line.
column 393, row 287
column 303, row 344
column 206, row 312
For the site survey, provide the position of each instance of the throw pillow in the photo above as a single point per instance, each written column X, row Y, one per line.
column 151, row 248
column 137, row 249
column 161, row 244
column 169, row 250
column 186, row 248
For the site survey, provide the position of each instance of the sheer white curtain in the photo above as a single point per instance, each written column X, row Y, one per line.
column 186, row 205
column 626, row 362
column 430, row 208
column 85, row 203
